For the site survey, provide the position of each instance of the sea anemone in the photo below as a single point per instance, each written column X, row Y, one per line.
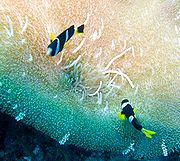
column 128, row 50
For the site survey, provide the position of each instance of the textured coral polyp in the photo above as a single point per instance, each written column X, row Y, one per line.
column 128, row 50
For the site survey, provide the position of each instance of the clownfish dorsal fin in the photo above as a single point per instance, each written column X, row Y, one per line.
column 121, row 116
column 134, row 109
column 52, row 37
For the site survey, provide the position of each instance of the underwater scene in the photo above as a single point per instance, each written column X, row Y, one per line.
column 89, row 80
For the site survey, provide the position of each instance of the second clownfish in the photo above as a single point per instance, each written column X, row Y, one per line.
column 129, row 113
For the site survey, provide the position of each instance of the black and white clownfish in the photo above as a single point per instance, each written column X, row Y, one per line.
column 57, row 44
column 129, row 113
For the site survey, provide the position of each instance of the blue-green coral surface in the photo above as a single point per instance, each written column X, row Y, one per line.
column 129, row 50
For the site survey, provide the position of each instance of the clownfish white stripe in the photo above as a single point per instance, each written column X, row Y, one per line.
column 49, row 51
column 57, row 47
column 131, row 118
column 125, row 104
column 67, row 32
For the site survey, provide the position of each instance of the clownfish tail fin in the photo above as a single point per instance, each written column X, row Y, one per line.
column 80, row 29
column 148, row 133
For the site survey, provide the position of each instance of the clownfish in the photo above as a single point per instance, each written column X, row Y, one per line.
column 57, row 43
column 129, row 113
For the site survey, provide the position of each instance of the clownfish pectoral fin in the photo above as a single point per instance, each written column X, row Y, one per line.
column 66, row 43
column 121, row 116
column 134, row 109
column 80, row 30
column 52, row 37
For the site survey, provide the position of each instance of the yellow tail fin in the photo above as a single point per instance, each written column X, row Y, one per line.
column 80, row 30
column 148, row 133
column 121, row 116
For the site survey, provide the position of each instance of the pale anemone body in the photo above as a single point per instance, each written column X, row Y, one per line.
column 129, row 50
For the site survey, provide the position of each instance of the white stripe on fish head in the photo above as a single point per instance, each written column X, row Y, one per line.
column 125, row 104
column 67, row 33
column 49, row 51
column 131, row 118
column 57, row 46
